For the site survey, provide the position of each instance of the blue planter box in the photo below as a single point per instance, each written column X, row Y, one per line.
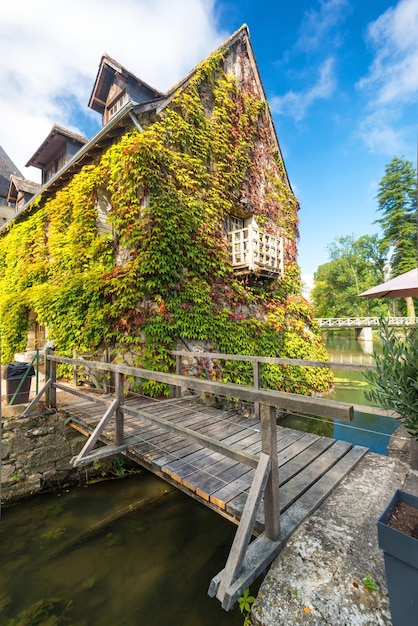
column 401, row 563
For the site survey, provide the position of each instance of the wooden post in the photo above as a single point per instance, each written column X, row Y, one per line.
column 50, row 373
column 119, row 378
column 178, row 372
column 256, row 378
column 271, row 493
column 75, row 369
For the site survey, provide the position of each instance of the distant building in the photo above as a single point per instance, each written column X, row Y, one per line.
column 7, row 169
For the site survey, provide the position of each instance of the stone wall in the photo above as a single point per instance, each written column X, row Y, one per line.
column 36, row 453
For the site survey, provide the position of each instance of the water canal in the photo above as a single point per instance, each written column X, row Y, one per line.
column 61, row 564
column 135, row 551
column 367, row 429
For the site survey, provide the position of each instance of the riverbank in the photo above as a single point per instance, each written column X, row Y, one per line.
column 319, row 577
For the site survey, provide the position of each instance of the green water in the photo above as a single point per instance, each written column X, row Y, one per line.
column 151, row 567
column 367, row 429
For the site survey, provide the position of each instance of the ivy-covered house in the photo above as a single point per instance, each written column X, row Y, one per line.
column 174, row 226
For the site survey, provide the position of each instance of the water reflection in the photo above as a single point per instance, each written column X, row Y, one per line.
column 370, row 430
column 73, row 556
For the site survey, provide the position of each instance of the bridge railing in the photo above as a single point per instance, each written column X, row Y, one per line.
column 365, row 322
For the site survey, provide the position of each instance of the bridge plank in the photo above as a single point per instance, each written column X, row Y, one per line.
column 306, row 470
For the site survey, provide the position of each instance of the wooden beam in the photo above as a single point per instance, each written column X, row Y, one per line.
column 96, row 433
column 245, row 528
column 279, row 399
column 119, row 411
column 95, row 398
column 273, row 360
column 37, row 397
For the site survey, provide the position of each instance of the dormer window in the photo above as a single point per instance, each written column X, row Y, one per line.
column 56, row 151
column 115, row 86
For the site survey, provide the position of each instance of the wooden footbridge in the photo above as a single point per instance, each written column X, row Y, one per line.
column 265, row 478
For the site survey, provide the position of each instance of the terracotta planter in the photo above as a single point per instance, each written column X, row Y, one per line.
column 401, row 563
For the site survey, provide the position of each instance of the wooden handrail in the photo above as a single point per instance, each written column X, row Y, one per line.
column 279, row 399
column 272, row 360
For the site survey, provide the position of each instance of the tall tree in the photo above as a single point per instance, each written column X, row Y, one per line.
column 397, row 201
column 355, row 265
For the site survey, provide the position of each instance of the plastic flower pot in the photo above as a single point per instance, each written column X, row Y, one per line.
column 401, row 563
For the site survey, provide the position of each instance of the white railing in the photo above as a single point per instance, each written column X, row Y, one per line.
column 254, row 250
column 363, row 322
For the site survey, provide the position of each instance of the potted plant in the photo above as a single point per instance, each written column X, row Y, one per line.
column 394, row 383
column 397, row 530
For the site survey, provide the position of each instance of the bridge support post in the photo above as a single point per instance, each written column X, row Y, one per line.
column 271, row 493
column 178, row 372
column 256, row 378
column 365, row 333
column 119, row 413
column 50, row 374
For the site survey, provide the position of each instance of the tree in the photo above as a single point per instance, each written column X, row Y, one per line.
column 397, row 201
column 397, row 197
column 355, row 265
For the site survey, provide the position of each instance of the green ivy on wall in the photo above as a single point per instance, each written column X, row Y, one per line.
column 159, row 268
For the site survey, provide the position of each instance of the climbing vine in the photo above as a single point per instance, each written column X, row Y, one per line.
column 132, row 252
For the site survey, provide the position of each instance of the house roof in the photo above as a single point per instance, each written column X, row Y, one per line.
column 7, row 168
column 56, row 139
column 17, row 183
column 108, row 68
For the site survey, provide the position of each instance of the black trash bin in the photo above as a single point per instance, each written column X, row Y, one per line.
column 13, row 373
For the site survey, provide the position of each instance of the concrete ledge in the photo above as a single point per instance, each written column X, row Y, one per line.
column 318, row 579
column 15, row 410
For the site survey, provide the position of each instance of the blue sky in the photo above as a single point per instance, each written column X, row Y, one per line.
column 341, row 77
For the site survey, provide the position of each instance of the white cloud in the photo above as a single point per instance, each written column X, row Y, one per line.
column 391, row 82
column 380, row 134
column 297, row 103
column 321, row 24
column 50, row 57
column 393, row 74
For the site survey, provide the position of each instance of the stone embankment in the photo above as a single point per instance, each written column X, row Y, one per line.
column 35, row 453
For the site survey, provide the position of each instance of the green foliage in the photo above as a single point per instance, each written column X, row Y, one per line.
column 369, row 583
column 132, row 253
column 355, row 266
column 394, row 384
column 397, row 196
column 245, row 603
